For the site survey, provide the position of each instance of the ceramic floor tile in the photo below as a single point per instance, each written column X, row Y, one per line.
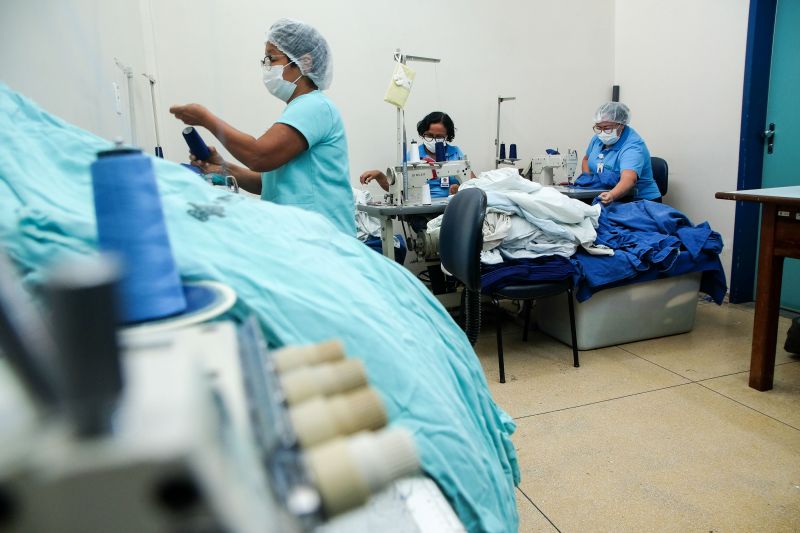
column 530, row 519
column 781, row 403
column 751, row 307
column 540, row 376
column 678, row 459
column 718, row 345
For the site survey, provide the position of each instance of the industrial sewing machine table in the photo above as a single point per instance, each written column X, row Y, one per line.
column 387, row 212
column 579, row 193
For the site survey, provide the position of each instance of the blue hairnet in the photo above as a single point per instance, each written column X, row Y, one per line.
column 613, row 112
column 306, row 47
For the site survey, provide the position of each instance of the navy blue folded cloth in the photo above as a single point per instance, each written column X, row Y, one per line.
column 525, row 271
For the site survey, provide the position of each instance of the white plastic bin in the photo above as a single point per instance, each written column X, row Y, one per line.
column 625, row 314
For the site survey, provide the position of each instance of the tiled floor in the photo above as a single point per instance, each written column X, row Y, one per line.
column 658, row 435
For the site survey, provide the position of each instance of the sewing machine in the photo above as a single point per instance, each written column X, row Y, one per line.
column 413, row 192
column 168, row 464
column 193, row 429
column 550, row 169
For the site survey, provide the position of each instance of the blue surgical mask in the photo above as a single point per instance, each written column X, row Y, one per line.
column 276, row 85
column 608, row 138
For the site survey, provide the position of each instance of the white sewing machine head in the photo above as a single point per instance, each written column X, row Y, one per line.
column 414, row 191
column 553, row 168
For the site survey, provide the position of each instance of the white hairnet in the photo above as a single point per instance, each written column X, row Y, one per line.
column 613, row 112
column 304, row 45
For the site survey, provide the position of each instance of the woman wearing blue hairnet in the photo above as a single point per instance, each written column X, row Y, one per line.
column 618, row 158
column 302, row 159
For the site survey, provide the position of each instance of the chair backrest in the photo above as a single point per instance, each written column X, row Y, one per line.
column 461, row 236
column 660, row 174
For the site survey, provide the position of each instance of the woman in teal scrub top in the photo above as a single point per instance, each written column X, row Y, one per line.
column 302, row 159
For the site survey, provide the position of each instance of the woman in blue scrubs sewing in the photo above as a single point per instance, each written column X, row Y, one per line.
column 302, row 160
column 617, row 157
column 435, row 127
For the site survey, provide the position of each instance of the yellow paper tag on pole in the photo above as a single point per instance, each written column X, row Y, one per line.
column 400, row 86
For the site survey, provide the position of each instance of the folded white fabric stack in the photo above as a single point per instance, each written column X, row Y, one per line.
column 526, row 220
column 366, row 226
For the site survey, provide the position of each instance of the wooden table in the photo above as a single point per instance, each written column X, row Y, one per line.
column 780, row 238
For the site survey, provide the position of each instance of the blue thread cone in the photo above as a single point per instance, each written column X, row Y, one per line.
column 196, row 144
column 130, row 224
column 512, row 151
column 441, row 152
column 502, row 150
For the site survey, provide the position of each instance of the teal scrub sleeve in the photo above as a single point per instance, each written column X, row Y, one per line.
column 312, row 117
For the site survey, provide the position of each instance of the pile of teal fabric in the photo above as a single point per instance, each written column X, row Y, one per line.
column 305, row 281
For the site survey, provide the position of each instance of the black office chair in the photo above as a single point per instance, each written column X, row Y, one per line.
column 460, row 243
column 660, row 174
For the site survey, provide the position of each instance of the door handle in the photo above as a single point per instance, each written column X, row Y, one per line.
column 769, row 136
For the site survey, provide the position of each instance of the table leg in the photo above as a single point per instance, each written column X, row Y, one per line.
column 387, row 237
column 768, row 296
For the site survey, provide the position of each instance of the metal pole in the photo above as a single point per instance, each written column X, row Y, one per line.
column 398, row 56
column 405, row 164
column 497, row 136
column 399, row 137
column 131, row 108
column 500, row 100
column 402, row 59
column 159, row 151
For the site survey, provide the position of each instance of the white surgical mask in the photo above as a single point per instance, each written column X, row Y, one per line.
column 276, row 85
column 608, row 138
column 431, row 145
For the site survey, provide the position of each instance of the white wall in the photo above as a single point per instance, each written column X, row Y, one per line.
column 680, row 65
column 541, row 52
column 61, row 55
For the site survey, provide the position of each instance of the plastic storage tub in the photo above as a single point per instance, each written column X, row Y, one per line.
column 625, row 314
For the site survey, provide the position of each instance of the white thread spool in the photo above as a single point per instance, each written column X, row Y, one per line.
column 413, row 156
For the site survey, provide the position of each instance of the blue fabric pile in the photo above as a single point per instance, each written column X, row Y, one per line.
column 606, row 179
column 650, row 241
column 523, row 271
column 303, row 279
